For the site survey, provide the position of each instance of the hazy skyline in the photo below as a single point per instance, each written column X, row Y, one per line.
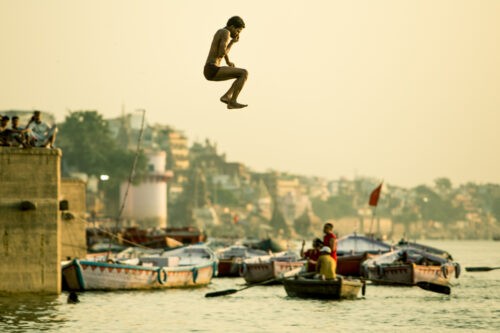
column 405, row 91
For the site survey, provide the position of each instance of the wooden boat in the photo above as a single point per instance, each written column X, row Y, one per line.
column 408, row 267
column 189, row 266
column 231, row 259
column 339, row 288
column 353, row 250
column 404, row 244
column 183, row 256
column 263, row 268
column 163, row 238
column 92, row 275
column 269, row 244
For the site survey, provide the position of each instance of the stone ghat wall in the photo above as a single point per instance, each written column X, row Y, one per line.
column 30, row 245
column 73, row 223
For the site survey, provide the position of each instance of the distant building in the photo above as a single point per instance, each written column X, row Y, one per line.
column 146, row 203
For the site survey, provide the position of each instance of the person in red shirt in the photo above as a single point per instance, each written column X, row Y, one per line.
column 311, row 255
column 330, row 239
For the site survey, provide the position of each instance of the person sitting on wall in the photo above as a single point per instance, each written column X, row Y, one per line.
column 4, row 131
column 18, row 133
column 41, row 134
column 311, row 255
column 326, row 265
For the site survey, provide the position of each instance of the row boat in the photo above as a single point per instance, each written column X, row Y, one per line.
column 79, row 275
column 336, row 289
column 231, row 259
column 264, row 268
column 353, row 250
column 188, row 266
column 408, row 267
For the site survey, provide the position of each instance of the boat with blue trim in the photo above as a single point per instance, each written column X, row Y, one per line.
column 191, row 266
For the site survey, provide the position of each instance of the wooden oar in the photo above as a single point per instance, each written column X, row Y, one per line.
column 233, row 291
column 480, row 269
column 435, row 287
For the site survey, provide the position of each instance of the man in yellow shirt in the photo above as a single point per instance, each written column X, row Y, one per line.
column 326, row 264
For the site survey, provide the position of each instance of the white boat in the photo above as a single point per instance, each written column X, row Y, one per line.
column 408, row 267
column 189, row 266
column 231, row 259
column 259, row 269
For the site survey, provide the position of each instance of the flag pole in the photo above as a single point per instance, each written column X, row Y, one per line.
column 374, row 210
column 374, row 196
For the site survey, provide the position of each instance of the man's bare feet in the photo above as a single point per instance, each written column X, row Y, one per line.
column 235, row 105
column 224, row 99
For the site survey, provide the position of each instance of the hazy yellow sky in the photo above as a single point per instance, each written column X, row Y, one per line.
column 405, row 91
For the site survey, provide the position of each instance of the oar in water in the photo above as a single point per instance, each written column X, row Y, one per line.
column 233, row 291
column 435, row 287
column 480, row 269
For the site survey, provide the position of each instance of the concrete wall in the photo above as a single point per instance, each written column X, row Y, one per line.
column 30, row 240
column 73, row 223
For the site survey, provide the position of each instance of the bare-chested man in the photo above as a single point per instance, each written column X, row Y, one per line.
column 223, row 40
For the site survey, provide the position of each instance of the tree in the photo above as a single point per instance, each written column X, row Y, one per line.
column 443, row 186
column 88, row 147
column 496, row 208
column 433, row 207
column 334, row 207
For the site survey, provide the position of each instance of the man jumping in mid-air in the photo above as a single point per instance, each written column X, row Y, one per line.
column 219, row 49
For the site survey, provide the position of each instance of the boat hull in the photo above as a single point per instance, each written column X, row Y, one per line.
column 229, row 267
column 410, row 274
column 337, row 289
column 89, row 275
column 259, row 272
column 350, row 264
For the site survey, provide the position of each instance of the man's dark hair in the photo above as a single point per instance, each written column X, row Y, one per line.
column 5, row 118
column 15, row 117
column 236, row 22
column 330, row 225
column 317, row 242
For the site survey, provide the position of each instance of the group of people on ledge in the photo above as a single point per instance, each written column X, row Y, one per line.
column 322, row 257
column 36, row 133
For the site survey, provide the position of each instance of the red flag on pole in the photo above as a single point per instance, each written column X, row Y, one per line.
column 375, row 195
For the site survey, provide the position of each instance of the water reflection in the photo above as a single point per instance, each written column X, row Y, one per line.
column 19, row 313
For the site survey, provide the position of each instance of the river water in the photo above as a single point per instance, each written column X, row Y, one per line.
column 473, row 306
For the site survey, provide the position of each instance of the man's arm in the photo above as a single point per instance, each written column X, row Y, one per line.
column 223, row 44
column 333, row 244
column 226, row 57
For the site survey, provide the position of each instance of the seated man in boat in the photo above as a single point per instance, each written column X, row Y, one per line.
column 326, row 264
column 311, row 255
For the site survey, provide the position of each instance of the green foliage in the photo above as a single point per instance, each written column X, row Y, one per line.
column 88, row 147
column 443, row 185
column 495, row 209
column 334, row 207
column 434, row 207
column 225, row 197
